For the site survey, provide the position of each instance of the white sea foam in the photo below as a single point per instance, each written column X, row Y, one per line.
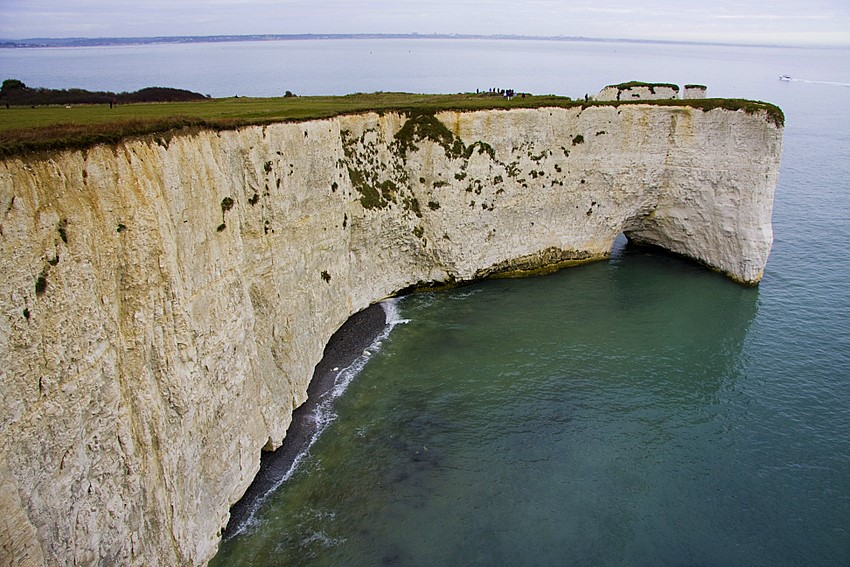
column 466, row 293
column 322, row 539
column 393, row 316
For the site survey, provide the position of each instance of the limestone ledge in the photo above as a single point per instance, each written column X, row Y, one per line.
column 164, row 303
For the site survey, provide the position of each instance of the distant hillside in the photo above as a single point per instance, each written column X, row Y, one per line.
column 104, row 41
column 16, row 93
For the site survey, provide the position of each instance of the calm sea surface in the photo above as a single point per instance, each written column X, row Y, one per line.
column 642, row 411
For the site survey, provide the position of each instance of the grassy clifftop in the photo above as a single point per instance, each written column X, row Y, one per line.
column 25, row 130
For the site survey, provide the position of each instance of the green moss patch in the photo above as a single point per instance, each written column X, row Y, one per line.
column 540, row 263
column 425, row 126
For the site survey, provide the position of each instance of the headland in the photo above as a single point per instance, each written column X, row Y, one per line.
column 168, row 292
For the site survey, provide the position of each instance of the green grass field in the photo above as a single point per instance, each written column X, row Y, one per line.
column 25, row 130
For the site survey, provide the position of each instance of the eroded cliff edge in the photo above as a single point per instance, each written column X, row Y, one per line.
column 165, row 301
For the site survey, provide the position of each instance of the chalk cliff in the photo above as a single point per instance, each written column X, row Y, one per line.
column 634, row 90
column 164, row 301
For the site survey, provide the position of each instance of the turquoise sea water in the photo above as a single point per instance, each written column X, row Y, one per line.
column 642, row 411
column 637, row 412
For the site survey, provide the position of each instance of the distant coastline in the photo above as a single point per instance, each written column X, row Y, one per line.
column 124, row 41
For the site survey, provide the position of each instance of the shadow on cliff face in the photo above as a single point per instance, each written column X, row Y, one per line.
column 344, row 348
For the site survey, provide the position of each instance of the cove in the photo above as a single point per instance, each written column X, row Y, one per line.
column 601, row 415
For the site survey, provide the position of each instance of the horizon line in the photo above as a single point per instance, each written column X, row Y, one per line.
column 83, row 41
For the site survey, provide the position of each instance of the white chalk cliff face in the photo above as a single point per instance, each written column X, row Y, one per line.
column 164, row 302
column 640, row 92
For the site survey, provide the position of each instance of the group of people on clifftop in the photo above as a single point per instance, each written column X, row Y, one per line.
column 506, row 93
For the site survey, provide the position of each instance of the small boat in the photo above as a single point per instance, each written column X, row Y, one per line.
column 784, row 77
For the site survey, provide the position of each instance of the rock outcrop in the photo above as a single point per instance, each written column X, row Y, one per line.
column 164, row 301
column 637, row 91
column 693, row 92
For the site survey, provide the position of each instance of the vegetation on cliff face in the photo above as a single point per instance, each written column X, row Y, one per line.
column 425, row 126
column 24, row 129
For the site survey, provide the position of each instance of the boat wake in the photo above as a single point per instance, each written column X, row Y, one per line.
column 830, row 83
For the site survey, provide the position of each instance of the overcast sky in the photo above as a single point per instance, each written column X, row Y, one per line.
column 792, row 22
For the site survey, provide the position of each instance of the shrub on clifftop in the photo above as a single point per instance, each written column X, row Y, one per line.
column 16, row 93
